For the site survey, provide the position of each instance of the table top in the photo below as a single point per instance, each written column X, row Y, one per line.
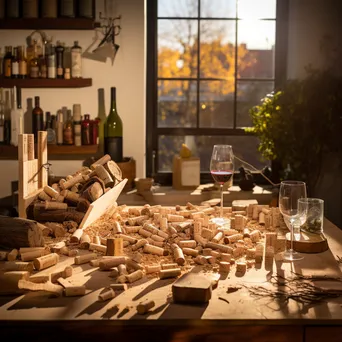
column 239, row 307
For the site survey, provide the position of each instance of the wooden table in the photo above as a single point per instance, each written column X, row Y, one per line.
column 36, row 317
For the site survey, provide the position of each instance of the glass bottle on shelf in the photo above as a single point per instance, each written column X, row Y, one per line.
column 7, row 62
column 51, row 134
column 113, row 131
column 77, row 124
column 94, row 131
column 68, row 130
column 2, row 9
column 51, row 63
column 22, row 62
column 7, row 110
column 76, row 60
column 34, row 64
column 2, row 118
column 59, row 59
column 86, row 130
column 12, row 8
column 15, row 63
column 86, row 9
column 101, row 118
column 48, row 8
column 67, row 8
column 60, row 127
column 37, row 118
column 29, row 8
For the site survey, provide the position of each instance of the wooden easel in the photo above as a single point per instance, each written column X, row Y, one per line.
column 33, row 175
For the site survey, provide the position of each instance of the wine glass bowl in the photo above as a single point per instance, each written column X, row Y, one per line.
column 222, row 170
column 289, row 194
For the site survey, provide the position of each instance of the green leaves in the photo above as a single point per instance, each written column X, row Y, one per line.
column 299, row 123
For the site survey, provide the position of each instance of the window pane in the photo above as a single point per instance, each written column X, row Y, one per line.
column 257, row 9
column 217, row 104
column 249, row 94
column 217, row 49
column 218, row 8
column 256, row 40
column 177, row 103
column 178, row 8
column 244, row 147
column 177, row 48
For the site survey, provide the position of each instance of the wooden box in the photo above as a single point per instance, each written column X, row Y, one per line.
column 186, row 173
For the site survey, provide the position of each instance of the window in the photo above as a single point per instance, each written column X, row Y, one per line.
column 209, row 62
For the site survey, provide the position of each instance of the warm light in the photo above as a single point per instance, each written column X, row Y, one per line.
column 204, row 106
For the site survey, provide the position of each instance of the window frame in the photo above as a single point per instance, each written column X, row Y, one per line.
column 153, row 131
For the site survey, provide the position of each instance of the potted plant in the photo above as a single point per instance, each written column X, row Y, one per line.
column 300, row 125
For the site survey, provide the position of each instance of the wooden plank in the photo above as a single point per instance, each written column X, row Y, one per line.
column 42, row 159
column 319, row 334
column 99, row 207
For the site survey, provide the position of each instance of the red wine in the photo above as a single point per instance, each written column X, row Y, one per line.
column 221, row 176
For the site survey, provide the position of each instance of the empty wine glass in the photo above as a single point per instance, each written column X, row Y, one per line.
column 222, row 170
column 289, row 194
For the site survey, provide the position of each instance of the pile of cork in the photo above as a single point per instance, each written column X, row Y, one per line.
column 165, row 242
column 70, row 198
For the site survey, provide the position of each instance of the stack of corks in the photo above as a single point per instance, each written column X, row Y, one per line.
column 69, row 199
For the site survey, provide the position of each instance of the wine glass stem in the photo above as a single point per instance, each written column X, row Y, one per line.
column 292, row 236
column 221, row 189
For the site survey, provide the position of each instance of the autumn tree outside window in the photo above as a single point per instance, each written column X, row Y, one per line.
column 208, row 63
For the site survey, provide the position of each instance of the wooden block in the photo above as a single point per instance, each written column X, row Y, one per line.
column 192, row 288
column 185, row 173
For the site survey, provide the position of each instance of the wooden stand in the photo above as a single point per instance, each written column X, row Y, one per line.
column 32, row 173
column 308, row 243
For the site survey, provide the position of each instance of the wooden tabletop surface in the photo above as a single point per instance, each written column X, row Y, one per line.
column 238, row 308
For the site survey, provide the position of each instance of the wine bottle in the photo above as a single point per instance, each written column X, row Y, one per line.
column 68, row 130
column 7, row 62
column 30, row 8
column 15, row 63
column 101, row 118
column 86, row 130
column 51, row 134
column 22, row 62
column 49, row 8
column 59, row 61
column 37, row 118
column 67, row 8
column 113, row 131
column 77, row 124
column 86, row 8
column 12, row 8
column 76, row 61
column 20, row 113
column 59, row 127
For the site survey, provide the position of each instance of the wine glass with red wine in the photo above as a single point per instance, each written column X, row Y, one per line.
column 222, row 170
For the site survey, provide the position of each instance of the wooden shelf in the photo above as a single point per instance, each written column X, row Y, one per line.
column 47, row 24
column 45, row 82
column 9, row 152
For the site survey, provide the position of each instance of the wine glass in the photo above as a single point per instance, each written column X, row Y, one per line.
column 289, row 194
column 222, row 170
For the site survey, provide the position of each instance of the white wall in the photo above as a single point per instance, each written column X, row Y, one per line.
column 127, row 74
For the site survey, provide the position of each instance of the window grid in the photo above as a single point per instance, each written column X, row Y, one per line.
column 153, row 131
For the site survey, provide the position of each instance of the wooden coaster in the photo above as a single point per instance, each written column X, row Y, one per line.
column 308, row 243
